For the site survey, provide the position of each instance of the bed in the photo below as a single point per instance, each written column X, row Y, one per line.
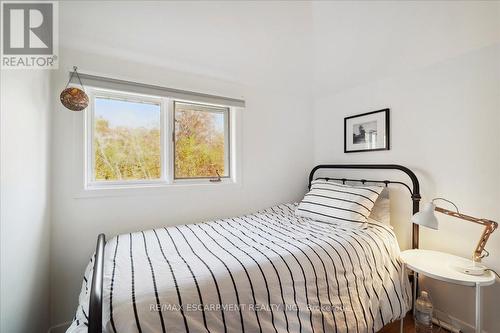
column 271, row 271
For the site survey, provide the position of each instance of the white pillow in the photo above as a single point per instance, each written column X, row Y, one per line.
column 381, row 211
column 332, row 202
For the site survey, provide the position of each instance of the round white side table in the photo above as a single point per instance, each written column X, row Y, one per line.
column 445, row 267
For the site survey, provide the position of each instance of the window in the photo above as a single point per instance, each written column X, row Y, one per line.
column 127, row 141
column 201, row 141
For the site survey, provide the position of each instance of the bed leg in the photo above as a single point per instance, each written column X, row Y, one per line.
column 95, row 304
column 401, row 320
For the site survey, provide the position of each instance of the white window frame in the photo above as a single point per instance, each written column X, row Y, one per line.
column 91, row 187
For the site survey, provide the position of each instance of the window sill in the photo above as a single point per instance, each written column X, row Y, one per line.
column 153, row 188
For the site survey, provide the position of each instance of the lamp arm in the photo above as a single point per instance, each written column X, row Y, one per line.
column 478, row 252
column 489, row 227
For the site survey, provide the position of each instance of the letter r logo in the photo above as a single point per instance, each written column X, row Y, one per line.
column 27, row 28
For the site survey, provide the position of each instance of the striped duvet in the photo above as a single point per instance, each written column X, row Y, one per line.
column 266, row 272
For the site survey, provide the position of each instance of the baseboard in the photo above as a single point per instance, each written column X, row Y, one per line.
column 59, row 328
column 447, row 326
column 455, row 322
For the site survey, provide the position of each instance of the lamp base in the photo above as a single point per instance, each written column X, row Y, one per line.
column 474, row 269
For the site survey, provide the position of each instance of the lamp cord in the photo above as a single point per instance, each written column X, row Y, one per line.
column 494, row 272
column 448, row 201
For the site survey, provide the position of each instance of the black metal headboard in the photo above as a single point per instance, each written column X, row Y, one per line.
column 414, row 190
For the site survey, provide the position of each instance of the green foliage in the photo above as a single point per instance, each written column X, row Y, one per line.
column 199, row 147
column 124, row 153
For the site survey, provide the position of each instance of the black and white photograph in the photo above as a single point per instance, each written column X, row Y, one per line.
column 367, row 132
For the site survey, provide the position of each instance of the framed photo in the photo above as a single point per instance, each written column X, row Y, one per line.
column 367, row 132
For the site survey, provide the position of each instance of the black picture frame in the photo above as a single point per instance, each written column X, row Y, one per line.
column 387, row 131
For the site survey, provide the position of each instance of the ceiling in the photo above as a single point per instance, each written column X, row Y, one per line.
column 248, row 42
column 316, row 46
column 358, row 42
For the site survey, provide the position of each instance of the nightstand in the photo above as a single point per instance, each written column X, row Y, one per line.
column 445, row 267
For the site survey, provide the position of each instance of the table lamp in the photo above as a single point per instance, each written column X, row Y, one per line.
column 427, row 218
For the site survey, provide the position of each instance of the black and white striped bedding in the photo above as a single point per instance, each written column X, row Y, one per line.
column 266, row 272
column 329, row 201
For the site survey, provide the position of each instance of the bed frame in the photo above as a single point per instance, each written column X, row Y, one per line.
column 95, row 305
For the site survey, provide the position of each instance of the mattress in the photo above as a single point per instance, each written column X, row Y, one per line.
column 265, row 272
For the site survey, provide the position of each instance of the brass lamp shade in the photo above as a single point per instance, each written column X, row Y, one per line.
column 74, row 99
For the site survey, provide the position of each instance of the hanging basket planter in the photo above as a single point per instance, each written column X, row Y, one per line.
column 74, row 98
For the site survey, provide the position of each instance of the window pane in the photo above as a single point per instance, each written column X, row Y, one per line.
column 200, row 141
column 126, row 140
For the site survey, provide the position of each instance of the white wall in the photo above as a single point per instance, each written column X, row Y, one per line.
column 436, row 65
column 361, row 41
column 444, row 126
column 432, row 63
column 250, row 50
column 24, row 205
